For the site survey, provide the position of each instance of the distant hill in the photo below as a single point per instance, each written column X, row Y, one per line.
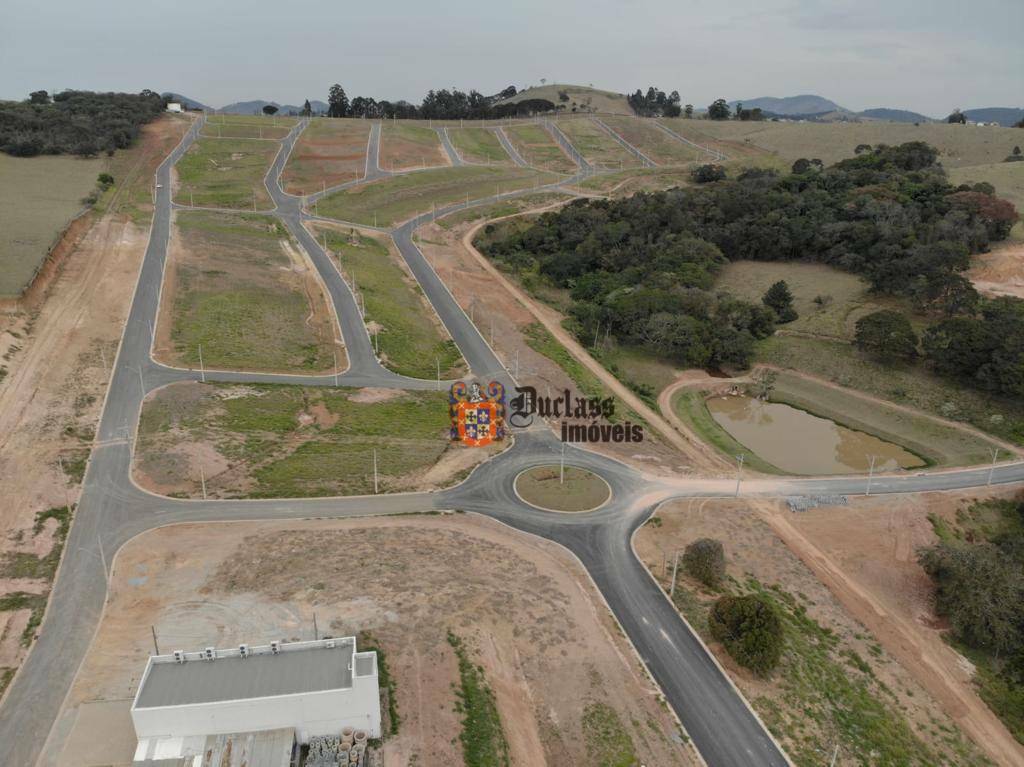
column 185, row 101
column 806, row 104
column 256, row 107
column 895, row 115
column 1005, row 116
column 583, row 97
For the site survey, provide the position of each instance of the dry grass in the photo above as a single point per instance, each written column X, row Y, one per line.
column 328, row 152
column 646, row 136
column 596, row 146
column 225, row 173
column 581, row 98
column 539, row 149
column 404, row 145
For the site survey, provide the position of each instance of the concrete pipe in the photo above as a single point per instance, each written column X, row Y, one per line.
column 360, row 736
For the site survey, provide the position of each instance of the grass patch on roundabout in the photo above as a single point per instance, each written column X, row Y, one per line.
column 577, row 490
column 411, row 340
column 398, row 198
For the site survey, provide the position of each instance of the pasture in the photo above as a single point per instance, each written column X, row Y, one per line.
column 478, row 145
column 596, row 146
column 645, row 135
column 539, row 149
column 404, row 145
column 225, row 173
column 329, row 152
column 578, row 98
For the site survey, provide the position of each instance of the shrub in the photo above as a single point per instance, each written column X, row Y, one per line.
column 779, row 298
column 887, row 335
column 704, row 174
column 704, row 560
column 750, row 630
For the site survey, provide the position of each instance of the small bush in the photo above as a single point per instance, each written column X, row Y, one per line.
column 704, row 560
column 750, row 630
column 704, row 174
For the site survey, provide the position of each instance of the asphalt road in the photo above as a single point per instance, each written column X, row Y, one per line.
column 112, row 509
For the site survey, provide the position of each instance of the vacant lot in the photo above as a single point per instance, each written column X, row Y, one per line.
column 539, row 149
column 240, row 293
column 626, row 182
column 405, row 146
column 835, row 685
column 646, row 136
column 290, row 441
column 596, row 146
column 245, row 130
column 408, row 336
column 398, row 198
column 225, row 173
column 829, row 301
column 526, row 615
column 504, row 208
column 958, row 145
column 265, row 120
column 557, row 489
column 478, row 145
column 38, row 197
column 328, row 152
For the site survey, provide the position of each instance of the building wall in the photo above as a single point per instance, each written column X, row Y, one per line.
column 315, row 713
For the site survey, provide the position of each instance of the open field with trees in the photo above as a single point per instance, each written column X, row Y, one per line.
column 539, row 149
column 289, row 441
column 239, row 292
column 405, row 145
column 652, row 141
column 328, row 152
column 408, row 336
column 38, row 197
column 225, row 173
column 596, row 146
column 576, row 98
column 398, row 198
column 1007, row 178
column 478, row 145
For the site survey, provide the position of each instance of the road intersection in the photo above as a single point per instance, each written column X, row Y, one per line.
column 113, row 509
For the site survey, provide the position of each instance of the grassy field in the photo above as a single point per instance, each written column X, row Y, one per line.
column 905, row 385
column 478, row 145
column 643, row 372
column 240, row 291
column 483, row 739
column 399, row 198
column 266, row 441
column 503, row 208
column 652, row 141
column 626, row 182
column 1006, row 177
column 607, row 740
column 328, row 152
column 577, row 490
column 843, row 298
column 539, row 149
column 265, row 120
column 244, row 130
column 959, row 145
column 581, row 98
column 596, row 146
column 410, row 146
column 38, row 197
column 410, row 338
column 225, row 173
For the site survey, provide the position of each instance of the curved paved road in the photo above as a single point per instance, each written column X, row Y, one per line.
column 112, row 509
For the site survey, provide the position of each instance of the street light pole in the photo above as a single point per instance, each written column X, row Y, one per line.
column 871, row 473
column 739, row 472
column 992, row 468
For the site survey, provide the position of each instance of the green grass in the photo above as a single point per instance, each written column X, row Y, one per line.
column 633, row 180
column 411, row 341
column 266, row 120
column 645, row 135
column 642, row 371
column 483, row 740
column 580, row 96
column 689, row 405
column 478, row 145
column 38, row 197
column 292, row 441
column 596, row 146
column 607, row 741
column 368, row 643
column 405, row 145
column 581, row 490
column 399, row 198
column 22, row 564
column 6, row 675
column 539, row 149
column 225, row 173
column 905, row 385
column 504, row 208
column 235, row 296
column 244, row 130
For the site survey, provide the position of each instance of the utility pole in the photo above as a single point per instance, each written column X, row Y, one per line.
column 516, row 376
column 335, row 369
column 316, row 629
column 437, row 361
column 561, row 467
column 375, row 471
column 739, row 472
column 254, row 200
column 871, row 473
column 103, row 558
column 202, row 481
column 992, row 468
column 156, row 647
column 202, row 368
column 142, row 384
column 675, row 569
column 834, row 755
column 64, row 477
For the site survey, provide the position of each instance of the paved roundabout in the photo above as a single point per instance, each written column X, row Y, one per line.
column 113, row 509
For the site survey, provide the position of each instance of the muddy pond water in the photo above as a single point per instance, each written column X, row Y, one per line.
column 800, row 443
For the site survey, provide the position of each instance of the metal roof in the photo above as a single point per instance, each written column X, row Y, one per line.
column 298, row 668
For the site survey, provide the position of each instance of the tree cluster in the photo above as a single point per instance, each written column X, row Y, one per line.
column 75, row 122
column 750, row 629
column 655, row 103
column 443, row 104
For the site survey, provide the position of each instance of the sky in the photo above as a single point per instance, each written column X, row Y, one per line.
column 925, row 55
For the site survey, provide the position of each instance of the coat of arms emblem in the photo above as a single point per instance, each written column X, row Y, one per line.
column 477, row 415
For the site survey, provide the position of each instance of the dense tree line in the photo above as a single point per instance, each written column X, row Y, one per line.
column 75, row 122
column 443, row 104
column 655, row 103
column 642, row 268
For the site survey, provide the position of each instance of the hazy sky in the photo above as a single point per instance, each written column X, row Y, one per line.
column 925, row 55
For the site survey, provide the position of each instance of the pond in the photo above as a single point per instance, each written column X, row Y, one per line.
column 800, row 443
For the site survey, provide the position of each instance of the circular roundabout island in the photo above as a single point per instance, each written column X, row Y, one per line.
column 545, row 487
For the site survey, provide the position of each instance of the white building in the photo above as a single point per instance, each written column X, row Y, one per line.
column 313, row 688
column 174, row 106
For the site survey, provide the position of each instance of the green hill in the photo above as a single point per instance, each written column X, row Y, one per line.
column 578, row 98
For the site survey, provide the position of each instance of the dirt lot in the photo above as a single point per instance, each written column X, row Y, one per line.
column 526, row 611
column 873, row 597
column 328, row 152
column 404, row 146
column 1001, row 272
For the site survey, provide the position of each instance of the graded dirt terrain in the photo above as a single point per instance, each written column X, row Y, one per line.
column 524, row 609
column 847, row 676
column 999, row 272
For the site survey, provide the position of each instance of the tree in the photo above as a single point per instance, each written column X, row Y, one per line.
column 704, row 560
column 307, row 109
column 887, row 335
column 269, row 109
column 957, row 117
column 750, row 630
column 39, row 97
column 688, row 111
column 719, row 110
column 704, row 174
column 779, row 299
column 861, row 148
column 337, row 102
